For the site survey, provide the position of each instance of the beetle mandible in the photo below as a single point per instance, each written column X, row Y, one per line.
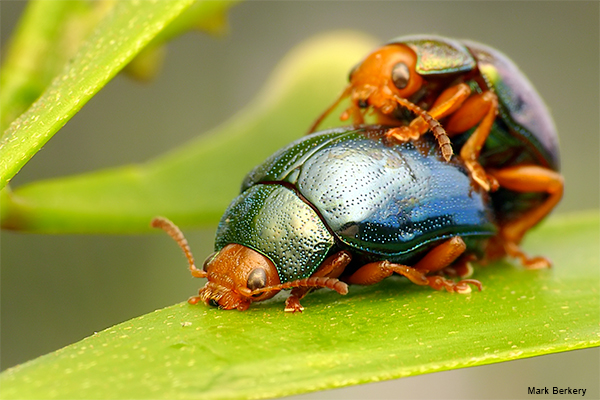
column 342, row 207
column 484, row 102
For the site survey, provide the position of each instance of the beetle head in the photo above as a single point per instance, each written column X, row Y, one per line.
column 233, row 274
column 238, row 275
column 386, row 73
column 384, row 80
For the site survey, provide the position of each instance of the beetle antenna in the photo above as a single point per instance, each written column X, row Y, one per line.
column 313, row 281
column 438, row 132
column 173, row 231
column 332, row 107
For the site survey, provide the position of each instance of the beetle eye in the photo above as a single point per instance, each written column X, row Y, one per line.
column 208, row 260
column 400, row 75
column 257, row 279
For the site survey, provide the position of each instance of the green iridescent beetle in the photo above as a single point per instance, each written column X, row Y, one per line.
column 342, row 207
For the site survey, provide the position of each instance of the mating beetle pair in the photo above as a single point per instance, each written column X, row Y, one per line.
column 355, row 205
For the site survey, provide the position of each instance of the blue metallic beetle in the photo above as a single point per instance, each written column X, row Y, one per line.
column 345, row 206
column 478, row 97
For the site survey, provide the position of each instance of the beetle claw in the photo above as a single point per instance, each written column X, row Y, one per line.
column 478, row 174
column 401, row 134
column 292, row 305
column 438, row 283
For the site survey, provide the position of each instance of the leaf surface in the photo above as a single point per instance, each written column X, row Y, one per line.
column 386, row 331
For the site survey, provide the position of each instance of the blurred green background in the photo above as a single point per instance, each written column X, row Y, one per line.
column 58, row 289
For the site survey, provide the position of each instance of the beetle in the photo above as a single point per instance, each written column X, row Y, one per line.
column 345, row 206
column 487, row 106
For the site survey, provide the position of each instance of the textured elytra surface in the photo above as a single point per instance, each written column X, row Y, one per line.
column 520, row 104
column 274, row 221
column 385, row 202
column 283, row 164
column 390, row 200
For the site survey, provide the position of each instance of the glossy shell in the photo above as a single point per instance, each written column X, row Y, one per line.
column 438, row 55
column 528, row 125
column 274, row 221
column 524, row 131
column 378, row 201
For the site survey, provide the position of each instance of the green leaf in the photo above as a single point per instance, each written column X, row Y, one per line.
column 386, row 331
column 194, row 184
column 46, row 37
column 125, row 31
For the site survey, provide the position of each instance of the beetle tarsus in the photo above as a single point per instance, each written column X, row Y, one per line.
column 527, row 262
column 438, row 283
column 461, row 268
column 438, row 132
column 292, row 305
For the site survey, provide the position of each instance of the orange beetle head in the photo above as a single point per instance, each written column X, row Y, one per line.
column 385, row 73
column 238, row 275
column 233, row 273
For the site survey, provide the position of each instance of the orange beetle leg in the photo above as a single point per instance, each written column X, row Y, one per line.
column 438, row 258
column 478, row 109
column 528, row 178
column 461, row 268
column 332, row 267
column 402, row 134
column 355, row 113
column 448, row 102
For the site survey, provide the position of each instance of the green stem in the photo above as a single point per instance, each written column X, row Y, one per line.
column 118, row 38
column 31, row 51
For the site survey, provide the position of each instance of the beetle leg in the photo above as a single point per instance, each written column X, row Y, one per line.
column 478, row 109
column 404, row 133
column 460, row 268
column 528, row 178
column 438, row 258
column 332, row 267
column 355, row 113
column 448, row 102
column 441, row 255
